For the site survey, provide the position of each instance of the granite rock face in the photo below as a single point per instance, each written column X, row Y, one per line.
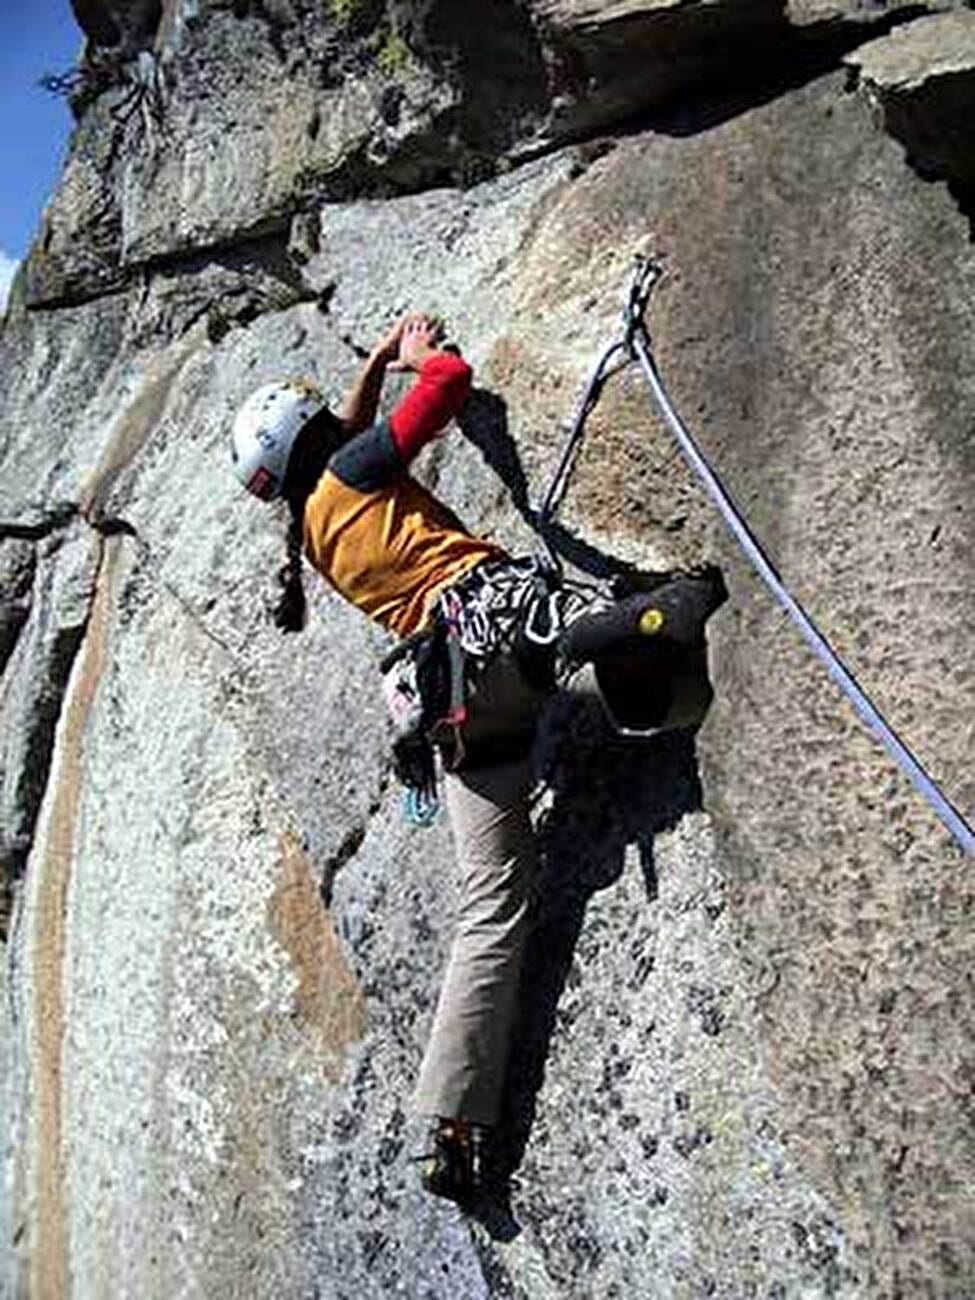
column 118, row 24
column 921, row 79
column 235, row 118
column 744, row 1050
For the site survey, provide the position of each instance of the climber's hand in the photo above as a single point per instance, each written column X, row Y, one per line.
column 387, row 348
column 418, row 340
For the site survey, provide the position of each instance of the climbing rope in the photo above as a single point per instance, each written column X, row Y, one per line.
column 615, row 358
column 635, row 345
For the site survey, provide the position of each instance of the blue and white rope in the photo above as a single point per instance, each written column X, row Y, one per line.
column 959, row 827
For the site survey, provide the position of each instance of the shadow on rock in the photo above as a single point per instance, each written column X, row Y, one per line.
column 963, row 193
column 606, row 794
column 603, row 793
column 484, row 422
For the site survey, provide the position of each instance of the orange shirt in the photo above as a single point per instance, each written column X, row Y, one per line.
column 389, row 551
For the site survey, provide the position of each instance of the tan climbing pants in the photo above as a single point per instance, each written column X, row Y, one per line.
column 463, row 1068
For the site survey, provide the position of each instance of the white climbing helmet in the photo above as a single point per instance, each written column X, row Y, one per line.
column 265, row 431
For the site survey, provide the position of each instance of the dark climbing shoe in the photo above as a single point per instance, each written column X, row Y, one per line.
column 456, row 1165
column 673, row 611
column 646, row 653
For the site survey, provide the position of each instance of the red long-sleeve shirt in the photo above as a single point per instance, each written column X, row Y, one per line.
column 437, row 397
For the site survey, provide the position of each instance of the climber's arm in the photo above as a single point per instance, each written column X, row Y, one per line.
column 442, row 387
column 362, row 402
column 381, row 452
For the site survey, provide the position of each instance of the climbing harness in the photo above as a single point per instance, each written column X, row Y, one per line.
column 635, row 345
column 426, row 678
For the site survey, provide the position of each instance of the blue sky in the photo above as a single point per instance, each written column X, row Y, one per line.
column 35, row 38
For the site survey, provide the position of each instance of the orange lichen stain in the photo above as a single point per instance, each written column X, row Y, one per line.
column 48, row 1262
column 328, row 1002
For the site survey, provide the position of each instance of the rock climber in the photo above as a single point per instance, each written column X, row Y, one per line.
column 392, row 549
